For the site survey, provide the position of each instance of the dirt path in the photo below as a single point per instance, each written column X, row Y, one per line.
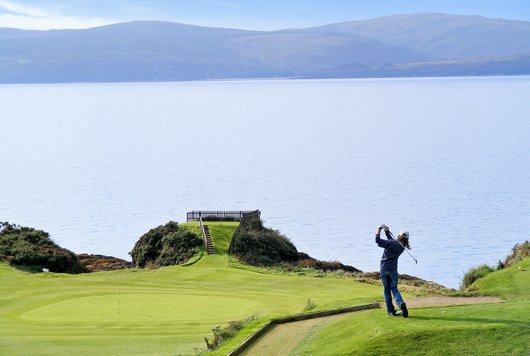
column 284, row 338
column 445, row 301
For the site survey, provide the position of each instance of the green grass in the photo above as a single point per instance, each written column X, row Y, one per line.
column 171, row 310
column 511, row 283
column 488, row 329
column 162, row 312
column 221, row 233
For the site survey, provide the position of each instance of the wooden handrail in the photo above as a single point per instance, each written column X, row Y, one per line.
column 203, row 234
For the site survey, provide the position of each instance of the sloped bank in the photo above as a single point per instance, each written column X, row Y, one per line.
column 440, row 325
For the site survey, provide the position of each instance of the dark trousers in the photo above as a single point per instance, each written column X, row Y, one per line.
column 390, row 282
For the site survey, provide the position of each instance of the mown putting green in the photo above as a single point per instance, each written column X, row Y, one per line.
column 145, row 307
column 162, row 312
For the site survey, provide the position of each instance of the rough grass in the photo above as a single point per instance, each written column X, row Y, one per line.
column 489, row 329
column 165, row 311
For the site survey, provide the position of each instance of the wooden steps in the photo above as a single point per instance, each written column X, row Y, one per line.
column 209, row 243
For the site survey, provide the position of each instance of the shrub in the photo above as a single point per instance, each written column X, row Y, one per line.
column 165, row 245
column 309, row 305
column 326, row 266
column 519, row 253
column 473, row 274
column 33, row 249
column 254, row 244
column 263, row 247
column 500, row 265
column 97, row 263
column 221, row 334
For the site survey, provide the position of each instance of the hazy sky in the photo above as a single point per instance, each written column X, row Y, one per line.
column 248, row 14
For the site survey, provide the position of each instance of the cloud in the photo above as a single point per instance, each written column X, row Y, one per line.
column 22, row 10
column 222, row 3
column 32, row 18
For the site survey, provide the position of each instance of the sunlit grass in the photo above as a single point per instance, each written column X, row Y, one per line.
column 488, row 329
column 164, row 311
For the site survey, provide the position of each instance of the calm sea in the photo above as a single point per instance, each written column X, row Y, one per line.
column 327, row 161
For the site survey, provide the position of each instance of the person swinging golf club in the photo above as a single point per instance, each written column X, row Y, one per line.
column 389, row 263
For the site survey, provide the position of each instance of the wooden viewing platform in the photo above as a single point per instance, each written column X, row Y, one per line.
column 236, row 215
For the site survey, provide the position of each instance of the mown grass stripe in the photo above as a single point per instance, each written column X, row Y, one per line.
column 271, row 324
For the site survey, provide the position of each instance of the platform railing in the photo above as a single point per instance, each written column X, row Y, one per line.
column 203, row 233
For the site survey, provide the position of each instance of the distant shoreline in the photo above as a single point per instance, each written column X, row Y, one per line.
column 286, row 79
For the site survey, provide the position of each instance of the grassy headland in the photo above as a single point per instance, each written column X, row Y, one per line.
column 163, row 311
column 171, row 309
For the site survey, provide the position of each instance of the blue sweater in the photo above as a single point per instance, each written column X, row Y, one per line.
column 393, row 249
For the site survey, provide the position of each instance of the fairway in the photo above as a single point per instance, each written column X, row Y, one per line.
column 164, row 311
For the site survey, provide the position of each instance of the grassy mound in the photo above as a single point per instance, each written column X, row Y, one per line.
column 512, row 283
column 488, row 329
column 465, row 330
column 33, row 250
column 165, row 245
column 257, row 245
column 518, row 254
column 473, row 274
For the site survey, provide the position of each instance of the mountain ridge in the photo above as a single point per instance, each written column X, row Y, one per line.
column 168, row 51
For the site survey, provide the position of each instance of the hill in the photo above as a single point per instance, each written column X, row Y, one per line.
column 442, row 35
column 477, row 66
column 401, row 45
column 488, row 329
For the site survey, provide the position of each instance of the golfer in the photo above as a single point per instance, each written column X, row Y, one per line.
column 389, row 272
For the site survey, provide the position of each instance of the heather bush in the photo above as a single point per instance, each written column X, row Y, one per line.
column 165, row 245
column 260, row 246
column 263, row 247
column 519, row 253
column 34, row 250
column 325, row 266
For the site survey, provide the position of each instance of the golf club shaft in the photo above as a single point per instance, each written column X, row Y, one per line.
column 410, row 254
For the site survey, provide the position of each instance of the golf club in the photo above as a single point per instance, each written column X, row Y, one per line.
column 391, row 234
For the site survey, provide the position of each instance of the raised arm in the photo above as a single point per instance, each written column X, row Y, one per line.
column 388, row 235
column 380, row 242
column 387, row 232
